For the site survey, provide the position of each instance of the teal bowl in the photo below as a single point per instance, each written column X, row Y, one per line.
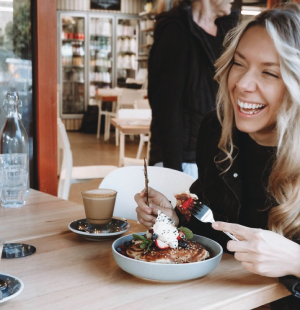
column 169, row 272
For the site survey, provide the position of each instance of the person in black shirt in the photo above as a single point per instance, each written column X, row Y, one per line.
column 181, row 90
column 248, row 152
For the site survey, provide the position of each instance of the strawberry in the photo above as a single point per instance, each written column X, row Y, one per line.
column 181, row 235
column 161, row 245
column 188, row 204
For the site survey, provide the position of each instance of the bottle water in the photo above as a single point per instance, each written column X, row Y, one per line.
column 13, row 136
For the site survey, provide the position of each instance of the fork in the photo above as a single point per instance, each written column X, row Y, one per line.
column 204, row 214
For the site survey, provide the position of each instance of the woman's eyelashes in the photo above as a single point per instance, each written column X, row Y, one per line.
column 236, row 63
column 271, row 74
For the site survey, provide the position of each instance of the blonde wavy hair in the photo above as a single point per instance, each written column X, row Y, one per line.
column 283, row 26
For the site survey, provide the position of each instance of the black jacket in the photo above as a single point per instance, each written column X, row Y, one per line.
column 181, row 87
column 223, row 193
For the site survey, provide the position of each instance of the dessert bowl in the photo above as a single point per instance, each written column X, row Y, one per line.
column 169, row 272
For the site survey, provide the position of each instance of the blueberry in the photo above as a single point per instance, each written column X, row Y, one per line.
column 182, row 244
column 154, row 236
column 127, row 243
column 119, row 249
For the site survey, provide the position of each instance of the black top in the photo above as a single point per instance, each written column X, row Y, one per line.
column 181, row 89
column 222, row 190
column 256, row 163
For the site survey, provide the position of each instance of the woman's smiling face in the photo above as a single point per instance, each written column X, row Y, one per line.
column 256, row 87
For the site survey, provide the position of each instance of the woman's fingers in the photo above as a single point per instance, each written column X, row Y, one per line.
column 239, row 231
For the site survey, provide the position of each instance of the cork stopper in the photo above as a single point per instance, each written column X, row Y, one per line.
column 99, row 193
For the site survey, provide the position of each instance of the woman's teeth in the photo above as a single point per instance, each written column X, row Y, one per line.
column 250, row 108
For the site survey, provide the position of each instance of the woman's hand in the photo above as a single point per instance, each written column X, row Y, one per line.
column 157, row 201
column 262, row 251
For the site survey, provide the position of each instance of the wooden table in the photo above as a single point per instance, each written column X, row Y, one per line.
column 69, row 272
column 130, row 127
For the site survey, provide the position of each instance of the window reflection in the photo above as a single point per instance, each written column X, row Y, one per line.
column 16, row 58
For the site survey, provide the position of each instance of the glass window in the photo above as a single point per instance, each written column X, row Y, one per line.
column 16, row 59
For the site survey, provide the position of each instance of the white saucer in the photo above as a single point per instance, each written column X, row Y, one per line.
column 118, row 227
column 14, row 287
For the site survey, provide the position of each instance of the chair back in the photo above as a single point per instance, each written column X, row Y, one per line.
column 128, row 181
column 66, row 160
column 135, row 114
column 142, row 104
column 129, row 96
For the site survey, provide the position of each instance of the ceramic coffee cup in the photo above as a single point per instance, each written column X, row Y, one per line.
column 99, row 207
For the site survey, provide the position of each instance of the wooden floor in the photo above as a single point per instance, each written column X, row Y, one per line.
column 88, row 150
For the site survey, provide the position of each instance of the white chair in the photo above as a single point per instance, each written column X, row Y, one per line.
column 139, row 114
column 127, row 98
column 142, row 104
column 128, row 181
column 68, row 173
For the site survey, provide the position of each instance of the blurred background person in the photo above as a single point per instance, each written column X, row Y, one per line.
column 187, row 41
column 166, row 5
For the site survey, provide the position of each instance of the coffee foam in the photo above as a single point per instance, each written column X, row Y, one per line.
column 99, row 193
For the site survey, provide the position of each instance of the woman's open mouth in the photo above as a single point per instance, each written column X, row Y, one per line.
column 250, row 108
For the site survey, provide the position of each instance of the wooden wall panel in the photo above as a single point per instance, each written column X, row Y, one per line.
column 46, row 106
column 271, row 3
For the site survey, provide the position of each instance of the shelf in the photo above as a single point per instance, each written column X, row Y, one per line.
column 126, row 52
column 147, row 14
column 100, row 36
column 100, row 82
column 142, row 59
column 108, row 68
column 126, row 69
column 67, row 81
column 73, row 66
column 122, row 36
column 146, row 45
column 73, row 40
column 147, row 30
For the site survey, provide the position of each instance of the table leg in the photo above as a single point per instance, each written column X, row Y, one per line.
column 107, row 127
column 99, row 103
column 122, row 149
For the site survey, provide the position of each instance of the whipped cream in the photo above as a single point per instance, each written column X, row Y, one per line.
column 166, row 230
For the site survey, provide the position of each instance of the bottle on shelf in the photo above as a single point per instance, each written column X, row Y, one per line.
column 13, row 135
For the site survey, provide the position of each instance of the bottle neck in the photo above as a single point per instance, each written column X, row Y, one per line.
column 11, row 110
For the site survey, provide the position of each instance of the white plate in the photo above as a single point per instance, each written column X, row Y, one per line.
column 14, row 287
column 169, row 272
column 118, row 227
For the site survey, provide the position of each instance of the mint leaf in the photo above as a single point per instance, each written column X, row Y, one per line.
column 146, row 243
column 138, row 237
column 188, row 233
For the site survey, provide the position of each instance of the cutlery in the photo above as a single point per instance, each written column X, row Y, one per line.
column 204, row 214
column 146, row 180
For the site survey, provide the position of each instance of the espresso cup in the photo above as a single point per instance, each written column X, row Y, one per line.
column 99, row 208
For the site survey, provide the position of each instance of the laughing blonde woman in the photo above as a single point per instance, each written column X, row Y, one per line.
column 248, row 152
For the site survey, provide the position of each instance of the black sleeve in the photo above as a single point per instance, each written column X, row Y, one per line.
column 292, row 283
column 202, row 142
column 167, row 74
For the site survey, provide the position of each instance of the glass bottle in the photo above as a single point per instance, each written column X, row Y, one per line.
column 13, row 135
